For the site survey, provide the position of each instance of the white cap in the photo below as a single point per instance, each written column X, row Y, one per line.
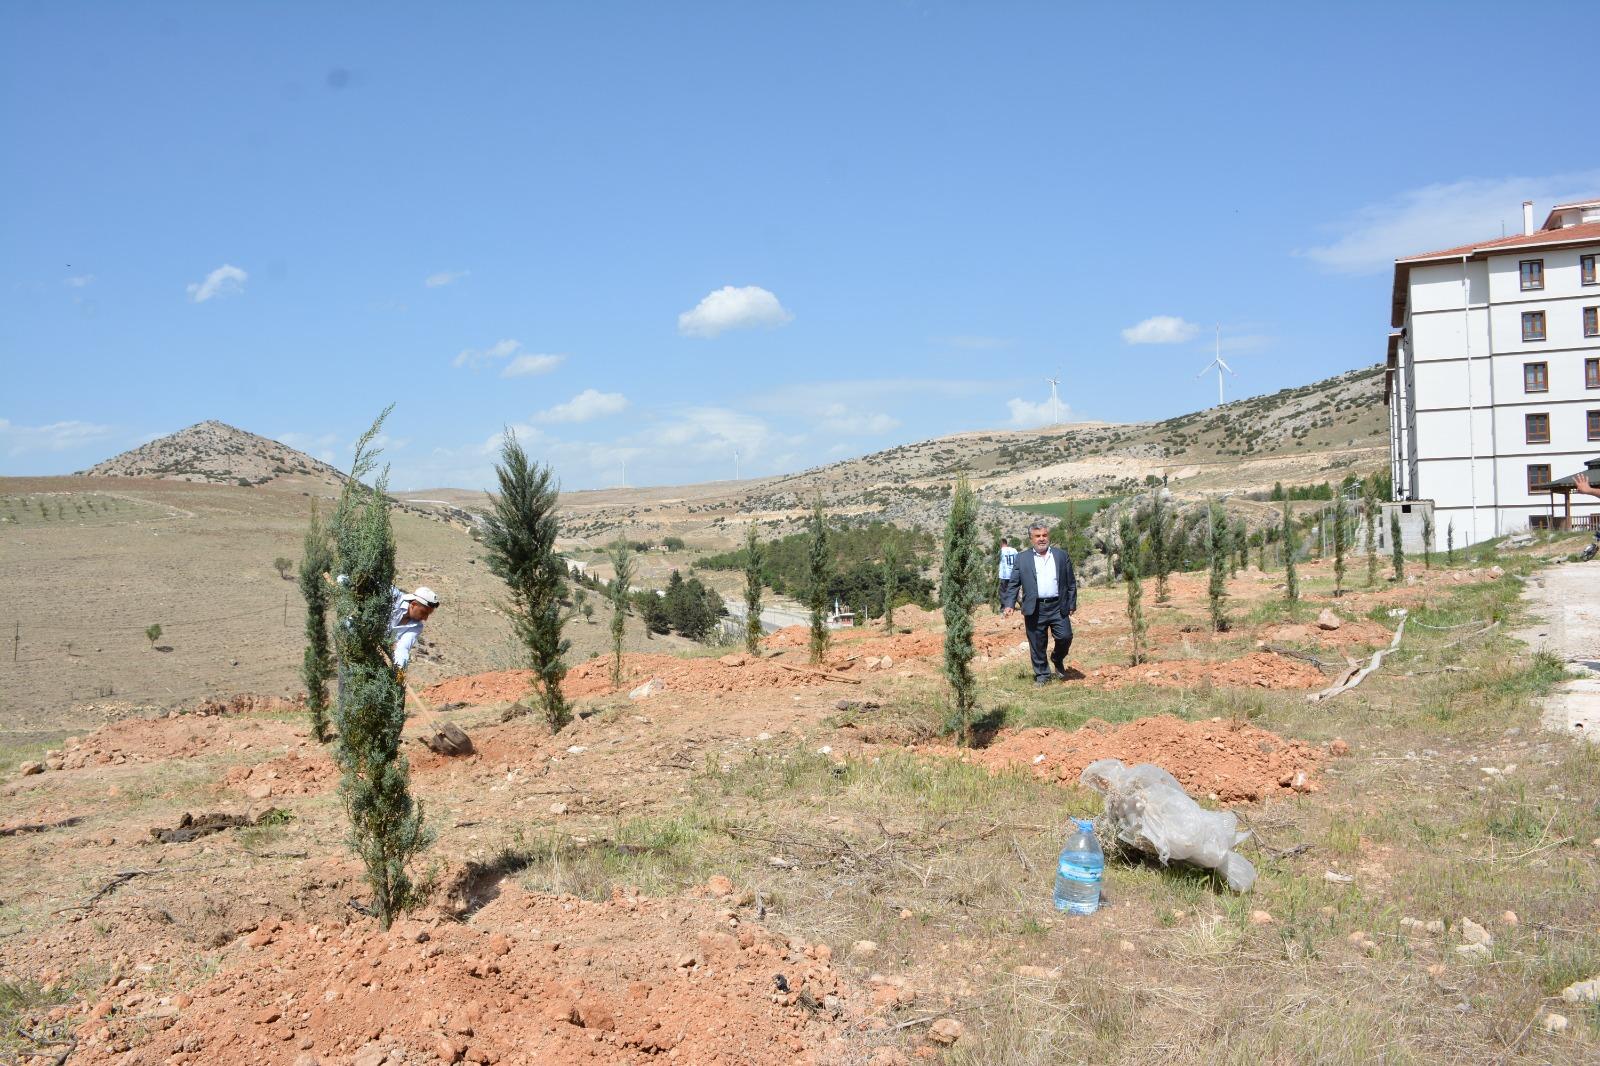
column 425, row 595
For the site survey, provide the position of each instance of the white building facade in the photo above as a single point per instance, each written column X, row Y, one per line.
column 1494, row 376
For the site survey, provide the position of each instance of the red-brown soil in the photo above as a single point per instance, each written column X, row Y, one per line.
column 1230, row 760
column 176, row 736
column 1260, row 669
column 559, row 981
column 1349, row 634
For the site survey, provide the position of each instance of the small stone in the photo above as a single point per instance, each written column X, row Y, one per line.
column 499, row 944
column 1338, row 747
column 449, row 1050
column 1473, row 933
column 260, row 791
column 1555, row 1023
column 885, row 996
column 888, row 1056
column 266, row 1015
column 307, row 1059
column 1337, row 878
column 905, row 915
column 945, row 1031
column 863, row 949
column 1260, row 918
column 28, row 769
column 1582, row 991
column 1328, row 621
column 371, row 1055
column 650, row 688
column 1510, row 918
column 558, row 808
column 719, row 885
column 1474, row 951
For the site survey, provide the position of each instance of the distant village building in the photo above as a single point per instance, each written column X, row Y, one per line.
column 1493, row 379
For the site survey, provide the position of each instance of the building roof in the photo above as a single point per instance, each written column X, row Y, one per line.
column 1583, row 233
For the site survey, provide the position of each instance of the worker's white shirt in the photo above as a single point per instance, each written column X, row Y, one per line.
column 404, row 631
column 1044, row 574
column 1008, row 562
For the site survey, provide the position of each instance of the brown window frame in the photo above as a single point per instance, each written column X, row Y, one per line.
column 1591, row 373
column 1528, row 421
column 1537, row 284
column 1529, row 318
column 1587, row 268
column 1591, row 321
column 1544, row 480
column 1543, row 377
column 1593, row 420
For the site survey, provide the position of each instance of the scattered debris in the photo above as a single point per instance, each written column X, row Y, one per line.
column 190, row 827
column 1149, row 810
column 1350, row 681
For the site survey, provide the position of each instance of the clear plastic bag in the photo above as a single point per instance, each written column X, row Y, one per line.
column 1148, row 810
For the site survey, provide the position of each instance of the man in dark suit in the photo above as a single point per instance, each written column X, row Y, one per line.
column 1048, row 590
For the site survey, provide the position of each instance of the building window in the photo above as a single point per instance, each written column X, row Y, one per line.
column 1533, row 325
column 1591, row 321
column 1538, row 474
column 1594, row 425
column 1532, row 274
column 1586, row 263
column 1591, row 373
column 1538, row 428
column 1535, row 377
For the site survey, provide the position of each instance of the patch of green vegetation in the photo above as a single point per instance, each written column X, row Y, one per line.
column 1083, row 509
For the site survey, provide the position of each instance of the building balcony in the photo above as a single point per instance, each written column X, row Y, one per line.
column 1561, row 522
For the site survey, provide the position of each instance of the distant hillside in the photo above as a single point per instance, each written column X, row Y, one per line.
column 1299, row 436
column 217, row 453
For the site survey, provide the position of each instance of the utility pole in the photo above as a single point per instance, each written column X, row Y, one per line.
column 16, row 641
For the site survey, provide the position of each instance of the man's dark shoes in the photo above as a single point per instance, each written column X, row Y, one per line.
column 1062, row 675
column 1041, row 681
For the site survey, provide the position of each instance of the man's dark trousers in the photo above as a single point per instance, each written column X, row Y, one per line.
column 1049, row 619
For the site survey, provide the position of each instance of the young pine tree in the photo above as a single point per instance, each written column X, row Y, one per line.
column 386, row 824
column 1427, row 540
column 818, row 572
column 1131, row 574
column 1339, row 537
column 519, row 537
column 1291, row 579
column 1397, row 552
column 1239, row 538
column 1160, row 556
column 1450, row 542
column 316, row 667
column 891, row 583
column 1369, row 511
column 752, row 591
column 622, row 578
column 960, row 592
column 1217, row 591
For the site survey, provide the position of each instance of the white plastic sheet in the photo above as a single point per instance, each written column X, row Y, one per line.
column 1148, row 810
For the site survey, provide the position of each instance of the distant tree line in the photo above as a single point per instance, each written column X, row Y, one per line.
column 855, row 571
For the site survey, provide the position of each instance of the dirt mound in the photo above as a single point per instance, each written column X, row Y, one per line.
column 593, row 678
column 1260, row 669
column 248, row 703
column 553, row 980
column 1230, row 760
column 176, row 736
column 1349, row 634
column 294, row 774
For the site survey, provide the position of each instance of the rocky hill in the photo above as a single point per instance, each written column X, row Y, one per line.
column 1305, row 435
column 219, row 454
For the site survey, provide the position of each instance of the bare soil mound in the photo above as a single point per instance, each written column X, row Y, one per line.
column 593, row 678
column 1233, row 761
column 294, row 774
column 558, row 980
column 1349, row 634
column 1260, row 669
column 176, row 736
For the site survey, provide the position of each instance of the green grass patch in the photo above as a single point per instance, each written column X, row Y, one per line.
column 1084, row 509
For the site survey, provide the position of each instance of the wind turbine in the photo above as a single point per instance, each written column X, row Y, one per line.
column 1055, row 401
column 1219, row 365
column 736, row 464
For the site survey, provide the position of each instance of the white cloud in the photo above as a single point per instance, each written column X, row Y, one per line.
column 444, row 277
column 54, row 437
column 1025, row 414
column 1371, row 238
column 79, row 281
column 528, row 364
column 521, row 363
column 730, row 308
column 224, row 281
column 1161, row 329
column 584, row 407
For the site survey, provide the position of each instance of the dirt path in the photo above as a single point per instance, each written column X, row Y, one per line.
column 1566, row 602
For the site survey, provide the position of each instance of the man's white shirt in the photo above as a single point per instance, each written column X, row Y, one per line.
column 1044, row 574
column 404, row 631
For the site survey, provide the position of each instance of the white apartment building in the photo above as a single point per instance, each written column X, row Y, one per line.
column 1494, row 375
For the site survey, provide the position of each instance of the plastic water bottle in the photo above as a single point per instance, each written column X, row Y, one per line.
column 1078, row 871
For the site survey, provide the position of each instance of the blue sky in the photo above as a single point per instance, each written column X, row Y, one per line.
column 660, row 233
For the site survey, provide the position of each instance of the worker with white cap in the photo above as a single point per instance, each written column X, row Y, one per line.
column 407, row 612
